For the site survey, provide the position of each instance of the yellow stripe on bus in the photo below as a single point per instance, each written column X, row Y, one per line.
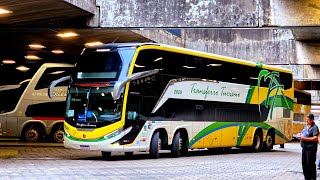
column 95, row 134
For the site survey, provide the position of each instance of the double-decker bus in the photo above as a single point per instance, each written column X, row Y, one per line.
column 149, row 97
column 26, row 111
column 302, row 107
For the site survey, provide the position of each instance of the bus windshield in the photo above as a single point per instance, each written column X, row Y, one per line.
column 92, row 105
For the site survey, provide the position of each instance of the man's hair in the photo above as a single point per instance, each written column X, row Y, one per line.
column 310, row 116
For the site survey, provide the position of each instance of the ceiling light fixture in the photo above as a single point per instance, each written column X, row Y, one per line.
column 32, row 57
column 57, row 51
column 4, row 11
column 8, row 61
column 67, row 34
column 92, row 44
column 214, row 65
column 189, row 67
column 36, row 46
column 22, row 68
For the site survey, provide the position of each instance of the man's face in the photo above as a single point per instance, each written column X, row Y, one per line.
column 309, row 121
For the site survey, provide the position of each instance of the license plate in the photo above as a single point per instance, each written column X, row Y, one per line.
column 84, row 147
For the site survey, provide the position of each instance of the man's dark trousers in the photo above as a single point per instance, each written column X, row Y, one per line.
column 309, row 156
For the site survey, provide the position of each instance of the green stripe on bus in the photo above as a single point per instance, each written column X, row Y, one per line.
column 250, row 94
column 84, row 140
column 221, row 125
column 242, row 133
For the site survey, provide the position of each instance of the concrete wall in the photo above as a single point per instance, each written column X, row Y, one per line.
column 259, row 45
column 295, row 13
column 208, row 13
column 173, row 13
column 270, row 46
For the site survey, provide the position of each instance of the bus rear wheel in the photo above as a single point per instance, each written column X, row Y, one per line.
column 268, row 144
column 179, row 145
column 57, row 134
column 32, row 133
column 257, row 142
column 155, row 146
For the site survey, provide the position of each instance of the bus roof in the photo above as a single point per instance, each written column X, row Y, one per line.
column 192, row 52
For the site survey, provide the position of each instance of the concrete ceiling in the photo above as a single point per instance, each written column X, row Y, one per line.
column 44, row 13
column 15, row 42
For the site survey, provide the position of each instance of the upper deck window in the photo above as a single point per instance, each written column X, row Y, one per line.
column 97, row 64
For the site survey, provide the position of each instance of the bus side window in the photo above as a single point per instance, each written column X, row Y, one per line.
column 51, row 74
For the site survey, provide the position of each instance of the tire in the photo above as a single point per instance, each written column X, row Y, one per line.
column 268, row 144
column 155, row 146
column 57, row 134
column 32, row 133
column 179, row 145
column 257, row 142
column 129, row 154
column 105, row 155
column 215, row 150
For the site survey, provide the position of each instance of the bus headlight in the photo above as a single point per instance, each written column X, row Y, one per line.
column 113, row 134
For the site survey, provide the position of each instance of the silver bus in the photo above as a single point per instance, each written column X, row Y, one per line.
column 26, row 111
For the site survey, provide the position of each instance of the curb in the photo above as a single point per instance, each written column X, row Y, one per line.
column 8, row 153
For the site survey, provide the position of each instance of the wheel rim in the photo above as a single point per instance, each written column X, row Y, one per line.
column 269, row 141
column 32, row 135
column 58, row 136
column 180, row 144
column 257, row 146
column 159, row 145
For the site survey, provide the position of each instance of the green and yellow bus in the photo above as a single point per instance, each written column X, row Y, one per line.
column 129, row 97
column 302, row 107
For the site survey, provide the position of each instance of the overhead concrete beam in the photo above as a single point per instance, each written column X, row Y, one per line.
column 161, row 36
column 89, row 6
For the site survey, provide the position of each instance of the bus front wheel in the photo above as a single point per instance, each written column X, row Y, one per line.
column 32, row 133
column 155, row 145
column 105, row 155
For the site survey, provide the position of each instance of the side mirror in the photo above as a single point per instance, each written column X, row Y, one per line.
column 54, row 83
column 119, row 84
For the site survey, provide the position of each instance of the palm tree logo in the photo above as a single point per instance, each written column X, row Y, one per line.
column 274, row 85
